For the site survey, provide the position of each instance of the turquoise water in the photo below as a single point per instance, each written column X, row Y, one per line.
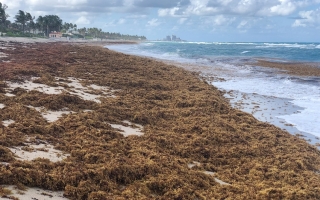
column 307, row 52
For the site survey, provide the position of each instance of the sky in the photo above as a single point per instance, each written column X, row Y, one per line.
column 192, row 20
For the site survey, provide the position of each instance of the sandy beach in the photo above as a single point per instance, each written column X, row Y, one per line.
column 90, row 123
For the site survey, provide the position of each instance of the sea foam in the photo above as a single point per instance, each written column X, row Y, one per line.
column 303, row 95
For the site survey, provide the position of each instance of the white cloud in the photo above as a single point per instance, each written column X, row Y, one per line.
column 219, row 20
column 236, row 7
column 136, row 16
column 308, row 18
column 199, row 7
column 242, row 24
column 153, row 22
column 285, row 7
column 82, row 21
column 182, row 20
column 12, row 4
column 168, row 12
column 121, row 21
column 56, row 3
column 116, row 22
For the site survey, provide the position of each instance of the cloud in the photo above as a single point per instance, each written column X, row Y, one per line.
column 121, row 21
column 116, row 22
column 242, row 24
column 308, row 18
column 219, row 20
column 173, row 12
column 12, row 4
column 285, row 7
column 171, row 8
column 57, row 3
column 182, row 20
column 235, row 7
column 160, row 4
column 136, row 16
column 82, row 21
column 153, row 22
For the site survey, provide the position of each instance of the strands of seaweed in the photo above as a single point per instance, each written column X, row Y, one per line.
column 184, row 120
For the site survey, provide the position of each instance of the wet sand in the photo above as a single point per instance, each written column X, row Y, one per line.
column 269, row 109
column 185, row 139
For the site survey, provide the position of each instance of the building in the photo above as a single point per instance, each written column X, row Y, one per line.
column 173, row 38
column 55, row 34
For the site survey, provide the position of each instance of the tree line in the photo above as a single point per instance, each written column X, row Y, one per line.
column 27, row 25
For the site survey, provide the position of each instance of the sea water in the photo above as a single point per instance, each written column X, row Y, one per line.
column 228, row 61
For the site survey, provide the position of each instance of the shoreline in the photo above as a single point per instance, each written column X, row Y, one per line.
column 190, row 141
column 90, row 42
column 213, row 75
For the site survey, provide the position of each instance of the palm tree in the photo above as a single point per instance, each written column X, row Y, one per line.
column 32, row 26
column 40, row 23
column 52, row 23
column 82, row 31
column 3, row 15
column 22, row 18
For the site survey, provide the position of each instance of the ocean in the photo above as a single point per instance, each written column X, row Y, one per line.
column 287, row 101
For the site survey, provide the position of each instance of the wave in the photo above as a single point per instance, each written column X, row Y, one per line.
column 147, row 44
column 196, row 42
column 234, row 43
column 245, row 52
column 289, row 45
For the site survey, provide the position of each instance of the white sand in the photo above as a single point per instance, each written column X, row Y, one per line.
column 4, row 163
column 29, row 86
column 217, row 180
column 22, row 39
column 127, row 130
column 34, row 194
column 193, row 164
column 39, row 151
column 50, row 115
column 84, row 92
column 9, row 95
column 3, row 55
column 76, row 88
column 7, row 122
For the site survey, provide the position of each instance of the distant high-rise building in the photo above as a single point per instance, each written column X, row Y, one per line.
column 172, row 38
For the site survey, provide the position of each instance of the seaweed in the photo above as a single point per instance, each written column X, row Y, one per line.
column 184, row 120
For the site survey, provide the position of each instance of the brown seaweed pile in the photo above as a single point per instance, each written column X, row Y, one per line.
column 293, row 68
column 185, row 121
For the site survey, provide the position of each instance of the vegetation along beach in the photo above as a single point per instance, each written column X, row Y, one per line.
column 90, row 113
